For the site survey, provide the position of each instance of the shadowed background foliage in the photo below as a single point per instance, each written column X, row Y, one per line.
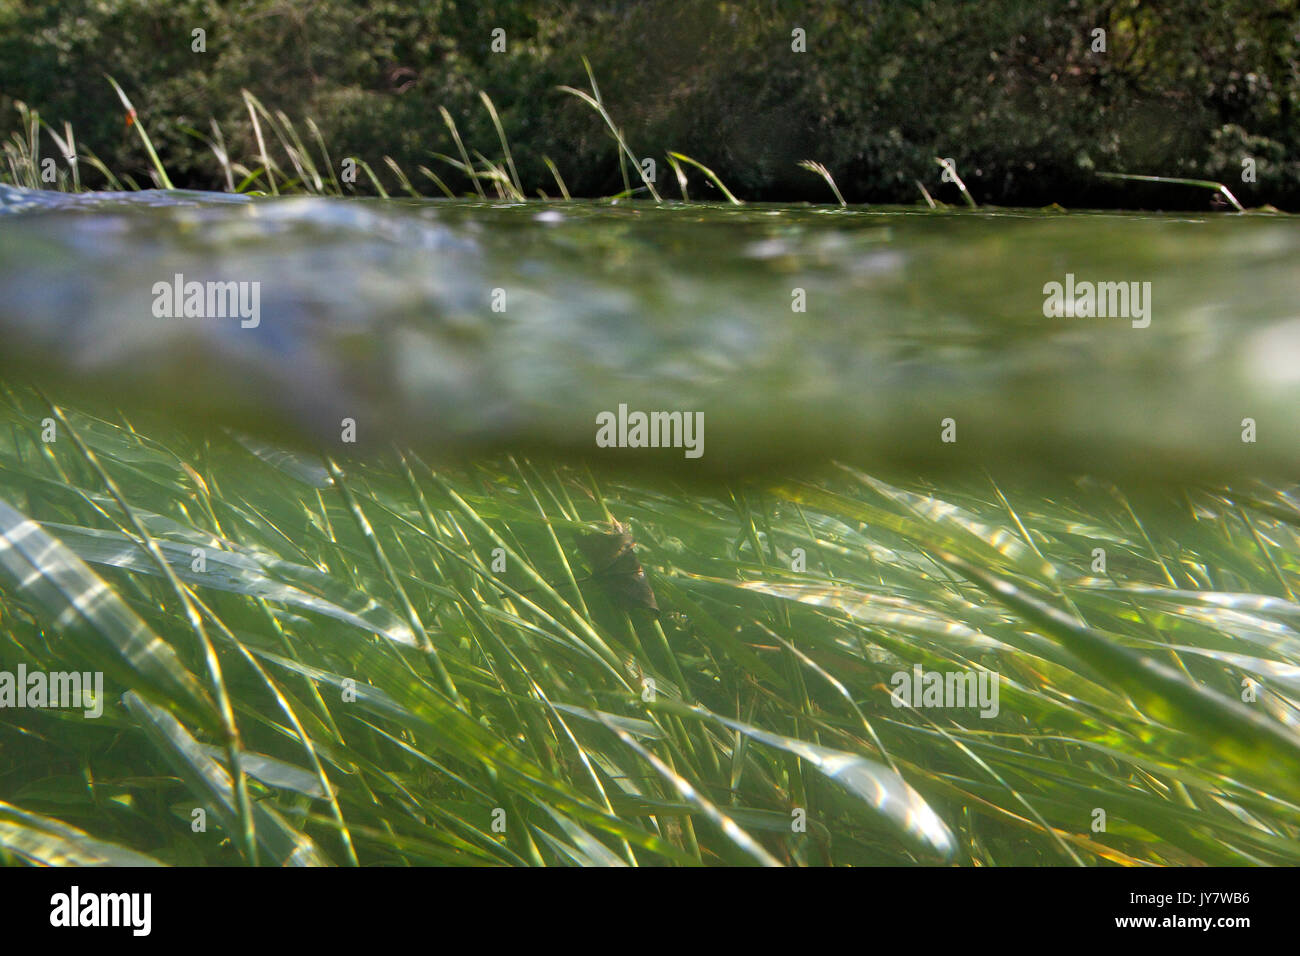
column 1013, row 92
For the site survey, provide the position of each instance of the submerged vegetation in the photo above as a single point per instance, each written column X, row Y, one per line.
column 429, row 666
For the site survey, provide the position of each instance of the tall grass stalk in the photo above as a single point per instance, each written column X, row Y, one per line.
column 951, row 171
column 1198, row 183
column 825, row 174
column 710, row 175
column 594, row 100
column 134, row 119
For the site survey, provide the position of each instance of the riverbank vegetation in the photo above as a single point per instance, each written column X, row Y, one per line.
column 1020, row 96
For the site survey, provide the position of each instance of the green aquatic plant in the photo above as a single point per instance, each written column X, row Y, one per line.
column 423, row 666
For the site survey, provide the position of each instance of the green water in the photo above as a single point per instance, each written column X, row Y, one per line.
column 461, row 327
column 490, row 609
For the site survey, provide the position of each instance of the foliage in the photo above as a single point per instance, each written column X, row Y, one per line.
column 1012, row 92
column 395, row 694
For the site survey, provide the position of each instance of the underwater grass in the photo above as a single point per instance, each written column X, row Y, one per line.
column 423, row 667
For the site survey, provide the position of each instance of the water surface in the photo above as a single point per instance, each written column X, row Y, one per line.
column 458, row 327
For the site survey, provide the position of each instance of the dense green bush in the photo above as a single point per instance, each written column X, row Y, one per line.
column 1013, row 92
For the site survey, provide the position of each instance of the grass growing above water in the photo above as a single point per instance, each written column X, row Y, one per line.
column 521, row 695
column 300, row 172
